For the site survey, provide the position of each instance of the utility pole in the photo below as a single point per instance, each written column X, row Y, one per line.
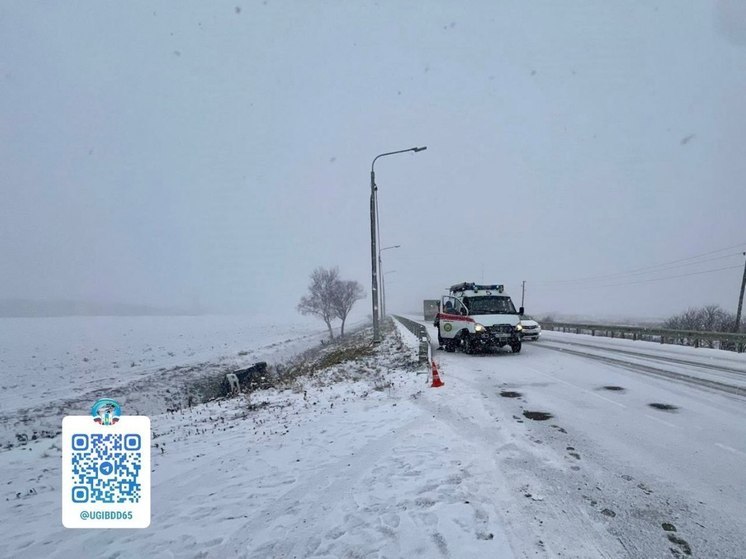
column 523, row 291
column 740, row 299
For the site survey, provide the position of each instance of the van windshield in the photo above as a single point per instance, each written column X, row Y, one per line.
column 491, row 305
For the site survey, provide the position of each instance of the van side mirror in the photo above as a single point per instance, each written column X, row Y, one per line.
column 520, row 311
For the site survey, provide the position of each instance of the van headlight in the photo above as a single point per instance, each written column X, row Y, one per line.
column 479, row 328
column 518, row 328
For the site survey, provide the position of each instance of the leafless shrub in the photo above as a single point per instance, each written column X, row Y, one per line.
column 711, row 318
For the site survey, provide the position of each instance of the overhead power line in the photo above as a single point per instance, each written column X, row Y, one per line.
column 624, row 275
column 663, row 266
column 646, row 280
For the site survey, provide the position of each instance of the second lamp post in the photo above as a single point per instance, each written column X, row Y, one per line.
column 383, row 282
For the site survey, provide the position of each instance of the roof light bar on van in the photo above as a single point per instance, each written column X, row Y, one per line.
column 471, row 286
column 493, row 287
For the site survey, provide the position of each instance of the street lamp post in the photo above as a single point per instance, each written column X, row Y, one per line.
column 374, row 271
column 383, row 283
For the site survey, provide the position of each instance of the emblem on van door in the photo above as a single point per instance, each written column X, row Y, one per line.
column 448, row 327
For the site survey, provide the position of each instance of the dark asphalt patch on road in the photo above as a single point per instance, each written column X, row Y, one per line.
column 510, row 394
column 573, row 454
column 644, row 488
column 683, row 546
column 663, row 407
column 537, row 415
column 614, row 388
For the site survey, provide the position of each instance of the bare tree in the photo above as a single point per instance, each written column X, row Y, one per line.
column 347, row 292
column 321, row 296
column 710, row 318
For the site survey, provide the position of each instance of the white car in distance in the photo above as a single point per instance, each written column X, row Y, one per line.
column 531, row 328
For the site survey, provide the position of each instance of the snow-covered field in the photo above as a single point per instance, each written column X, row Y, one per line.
column 51, row 367
column 364, row 459
column 48, row 358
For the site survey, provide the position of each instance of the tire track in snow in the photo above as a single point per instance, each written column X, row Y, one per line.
column 651, row 356
column 655, row 371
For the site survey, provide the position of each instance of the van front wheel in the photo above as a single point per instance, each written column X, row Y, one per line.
column 467, row 343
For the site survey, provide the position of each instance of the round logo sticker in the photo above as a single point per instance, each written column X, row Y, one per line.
column 448, row 327
column 106, row 411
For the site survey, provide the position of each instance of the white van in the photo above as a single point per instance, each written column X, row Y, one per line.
column 476, row 318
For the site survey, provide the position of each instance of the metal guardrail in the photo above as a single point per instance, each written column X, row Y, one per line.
column 723, row 340
column 419, row 330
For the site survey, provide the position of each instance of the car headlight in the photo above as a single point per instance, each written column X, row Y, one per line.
column 479, row 328
column 518, row 328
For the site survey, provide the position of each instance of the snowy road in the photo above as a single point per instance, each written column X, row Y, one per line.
column 607, row 448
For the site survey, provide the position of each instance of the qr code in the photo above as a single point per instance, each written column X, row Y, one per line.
column 106, row 468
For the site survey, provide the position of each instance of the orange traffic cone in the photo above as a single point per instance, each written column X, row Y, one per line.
column 437, row 383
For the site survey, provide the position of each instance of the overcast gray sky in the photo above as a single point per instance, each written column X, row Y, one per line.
column 172, row 152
